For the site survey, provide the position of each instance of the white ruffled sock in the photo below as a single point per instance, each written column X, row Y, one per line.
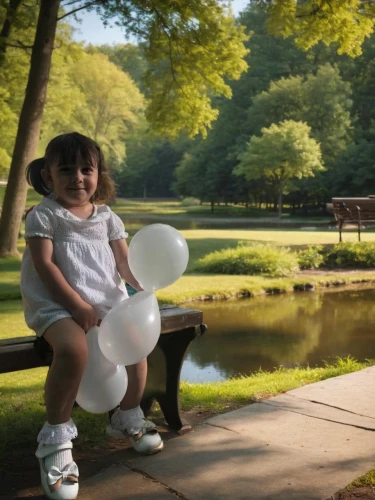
column 57, row 434
column 130, row 420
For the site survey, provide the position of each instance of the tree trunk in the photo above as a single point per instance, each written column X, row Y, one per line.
column 28, row 127
column 280, row 204
column 144, row 193
column 212, row 206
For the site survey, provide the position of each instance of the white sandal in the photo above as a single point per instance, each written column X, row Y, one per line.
column 56, row 484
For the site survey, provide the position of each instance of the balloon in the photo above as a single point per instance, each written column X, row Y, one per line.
column 158, row 256
column 130, row 331
column 103, row 384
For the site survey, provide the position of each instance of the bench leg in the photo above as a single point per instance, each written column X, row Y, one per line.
column 340, row 231
column 359, row 231
column 163, row 381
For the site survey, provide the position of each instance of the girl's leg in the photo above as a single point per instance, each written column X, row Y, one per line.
column 59, row 474
column 137, row 375
column 68, row 342
column 129, row 420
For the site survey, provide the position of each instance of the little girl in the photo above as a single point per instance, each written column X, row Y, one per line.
column 70, row 279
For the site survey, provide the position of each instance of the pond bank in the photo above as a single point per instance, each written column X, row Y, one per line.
column 194, row 288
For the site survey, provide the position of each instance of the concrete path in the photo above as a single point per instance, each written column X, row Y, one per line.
column 303, row 445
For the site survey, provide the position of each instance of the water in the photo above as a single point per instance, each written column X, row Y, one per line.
column 295, row 329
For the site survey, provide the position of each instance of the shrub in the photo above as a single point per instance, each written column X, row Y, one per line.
column 250, row 260
column 311, row 257
column 360, row 254
column 190, row 202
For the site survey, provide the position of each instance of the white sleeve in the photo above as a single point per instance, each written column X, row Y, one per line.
column 116, row 229
column 38, row 224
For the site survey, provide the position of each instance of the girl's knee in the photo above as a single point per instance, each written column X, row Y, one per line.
column 75, row 353
column 68, row 342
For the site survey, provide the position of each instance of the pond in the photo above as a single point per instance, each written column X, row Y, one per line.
column 294, row 329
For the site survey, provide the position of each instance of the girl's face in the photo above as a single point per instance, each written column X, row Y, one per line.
column 74, row 184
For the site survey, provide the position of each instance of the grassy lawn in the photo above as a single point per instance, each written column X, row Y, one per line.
column 193, row 286
column 125, row 207
column 22, row 411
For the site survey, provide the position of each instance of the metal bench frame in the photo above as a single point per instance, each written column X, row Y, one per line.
column 352, row 211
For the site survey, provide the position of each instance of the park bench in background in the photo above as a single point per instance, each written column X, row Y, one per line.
column 352, row 211
column 179, row 326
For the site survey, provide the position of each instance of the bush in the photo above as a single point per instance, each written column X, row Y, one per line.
column 190, row 202
column 311, row 257
column 361, row 254
column 250, row 260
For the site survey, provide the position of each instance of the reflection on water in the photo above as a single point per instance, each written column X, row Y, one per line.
column 295, row 329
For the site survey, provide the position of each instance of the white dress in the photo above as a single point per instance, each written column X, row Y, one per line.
column 83, row 255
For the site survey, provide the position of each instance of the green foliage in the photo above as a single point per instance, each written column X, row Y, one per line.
column 283, row 152
column 321, row 100
column 191, row 49
column 343, row 22
column 128, row 57
column 347, row 254
column 311, row 257
column 250, row 260
column 190, row 202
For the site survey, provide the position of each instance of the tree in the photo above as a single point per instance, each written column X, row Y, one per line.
column 112, row 103
column 322, row 100
column 29, row 126
column 192, row 48
column 282, row 153
column 346, row 23
column 129, row 57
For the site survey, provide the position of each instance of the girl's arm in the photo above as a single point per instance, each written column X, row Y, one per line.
column 120, row 252
column 41, row 250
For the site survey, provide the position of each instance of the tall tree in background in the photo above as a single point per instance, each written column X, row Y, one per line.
column 29, row 126
column 322, row 100
column 192, row 48
column 282, row 153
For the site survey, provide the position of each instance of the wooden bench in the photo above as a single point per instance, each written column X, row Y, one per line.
column 179, row 326
column 352, row 211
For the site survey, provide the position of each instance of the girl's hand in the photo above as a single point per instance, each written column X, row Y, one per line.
column 85, row 316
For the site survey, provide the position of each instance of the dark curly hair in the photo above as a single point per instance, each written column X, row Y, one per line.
column 68, row 149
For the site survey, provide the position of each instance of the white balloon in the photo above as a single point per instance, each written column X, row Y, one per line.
column 158, row 256
column 130, row 331
column 103, row 384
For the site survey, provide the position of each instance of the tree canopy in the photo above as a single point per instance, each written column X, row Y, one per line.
column 283, row 152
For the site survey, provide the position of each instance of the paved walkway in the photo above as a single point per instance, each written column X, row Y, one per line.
column 303, row 445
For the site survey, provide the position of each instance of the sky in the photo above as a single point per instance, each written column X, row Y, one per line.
column 91, row 29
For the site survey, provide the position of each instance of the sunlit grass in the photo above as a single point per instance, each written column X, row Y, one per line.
column 219, row 396
column 211, row 287
column 12, row 322
column 22, row 410
column 33, row 198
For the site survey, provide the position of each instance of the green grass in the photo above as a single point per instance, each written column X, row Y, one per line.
column 22, row 411
column 12, row 320
column 218, row 396
column 125, row 207
column 363, row 481
column 214, row 287
column 202, row 242
column 33, row 198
